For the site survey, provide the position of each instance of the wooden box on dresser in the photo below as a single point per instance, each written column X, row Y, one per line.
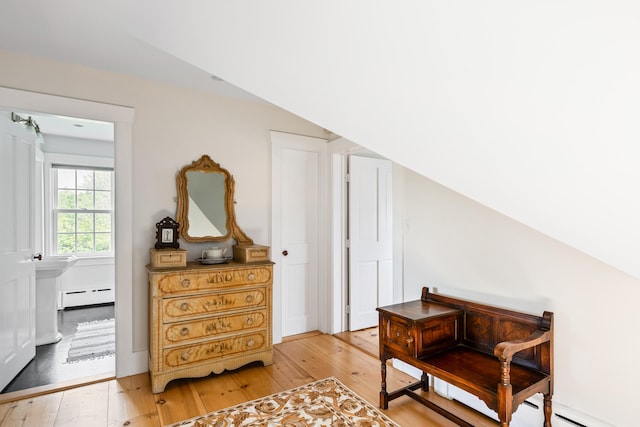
column 208, row 318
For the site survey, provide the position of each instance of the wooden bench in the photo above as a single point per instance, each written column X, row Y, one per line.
column 500, row 356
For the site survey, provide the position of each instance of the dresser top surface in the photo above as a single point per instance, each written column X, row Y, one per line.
column 418, row 310
column 197, row 266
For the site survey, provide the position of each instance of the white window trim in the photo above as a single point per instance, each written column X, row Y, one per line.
column 51, row 159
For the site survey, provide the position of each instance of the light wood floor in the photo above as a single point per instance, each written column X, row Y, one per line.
column 129, row 401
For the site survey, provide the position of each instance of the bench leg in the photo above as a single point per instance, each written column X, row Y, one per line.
column 425, row 381
column 547, row 410
column 384, row 396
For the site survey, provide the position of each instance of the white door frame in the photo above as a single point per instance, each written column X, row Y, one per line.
column 339, row 151
column 128, row 361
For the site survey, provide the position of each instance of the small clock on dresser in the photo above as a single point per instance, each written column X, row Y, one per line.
column 167, row 234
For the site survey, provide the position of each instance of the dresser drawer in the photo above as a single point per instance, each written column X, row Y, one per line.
column 177, row 282
column 176, row 333
column 196, row 353
column 184, row 308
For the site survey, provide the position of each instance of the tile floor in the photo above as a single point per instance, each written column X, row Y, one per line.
column 50, row 367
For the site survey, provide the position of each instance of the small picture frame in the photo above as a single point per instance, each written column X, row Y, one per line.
column 167, row 234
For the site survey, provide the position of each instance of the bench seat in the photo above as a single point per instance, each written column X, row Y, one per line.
column 479, row 369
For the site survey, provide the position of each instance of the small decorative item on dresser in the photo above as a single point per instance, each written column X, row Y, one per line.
column 247, row 254
column 168, row 258
column 167, row 234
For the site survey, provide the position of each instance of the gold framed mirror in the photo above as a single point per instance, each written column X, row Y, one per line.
column 206, row 203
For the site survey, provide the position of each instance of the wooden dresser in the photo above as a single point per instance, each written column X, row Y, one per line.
column 208, row 318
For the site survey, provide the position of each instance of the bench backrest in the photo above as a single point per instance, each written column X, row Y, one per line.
column 484, row 326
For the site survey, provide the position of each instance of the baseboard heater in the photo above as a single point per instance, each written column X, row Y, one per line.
column 529, row 414
column 82, row 297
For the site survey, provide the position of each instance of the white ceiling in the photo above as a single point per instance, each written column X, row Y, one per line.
column 89, row 33
column 73, row 127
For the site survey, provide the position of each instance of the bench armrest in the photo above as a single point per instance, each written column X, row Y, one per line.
column 505, row 350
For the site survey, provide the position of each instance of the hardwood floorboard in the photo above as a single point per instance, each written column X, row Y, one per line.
column 219, row 392
column 131, row 403
column 366, row 340
column 297, row 361
column 34, row 412
column 84, row 406
column 286, row 372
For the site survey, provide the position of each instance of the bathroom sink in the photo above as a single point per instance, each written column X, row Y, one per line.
column 48, row 271
column 54, row 266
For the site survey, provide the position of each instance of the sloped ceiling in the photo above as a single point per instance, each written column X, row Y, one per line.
column 528, row 108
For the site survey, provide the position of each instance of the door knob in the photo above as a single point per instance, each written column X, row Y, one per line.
column 285, row 252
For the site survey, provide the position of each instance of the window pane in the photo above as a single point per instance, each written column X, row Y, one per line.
column 66, row 223
column 66, row 199
column 103, row 180
column 85, row 199
column 66, row 178
column 103, row 200
column 103, row 222
column 103, row 242
column 82, row 192
column 85, row 179
column 66, row 243
column 85, row 243
column 85, row 222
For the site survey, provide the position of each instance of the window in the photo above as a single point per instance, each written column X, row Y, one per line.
column 83, row 210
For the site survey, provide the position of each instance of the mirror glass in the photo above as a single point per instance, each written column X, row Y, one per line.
column 205, row 203
column 206, row 211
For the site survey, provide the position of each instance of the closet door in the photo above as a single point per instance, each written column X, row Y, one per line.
column 298, row 215
column 370, row 240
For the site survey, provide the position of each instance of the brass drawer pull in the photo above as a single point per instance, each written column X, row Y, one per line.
column 249, row 298
column 250, row 321
column 184, row 331
column 250, row 343
column 186, row 283
column 251, row 276
column 184, row 306
column 184, row 356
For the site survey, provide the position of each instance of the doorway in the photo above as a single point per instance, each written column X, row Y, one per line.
column 298, row 218
column 127, row 361
column 73, row 217
column 340, row 150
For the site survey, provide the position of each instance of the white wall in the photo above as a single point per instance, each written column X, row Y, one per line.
column 172, row 127
column 466, row 249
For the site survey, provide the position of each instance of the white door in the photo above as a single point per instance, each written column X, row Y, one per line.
column 17, row 270
column 297, row 164
column 370, row 240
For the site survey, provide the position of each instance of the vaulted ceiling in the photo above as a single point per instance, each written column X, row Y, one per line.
column 528, row 108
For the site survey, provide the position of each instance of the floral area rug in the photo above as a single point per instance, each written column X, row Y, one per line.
column 326, row 402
